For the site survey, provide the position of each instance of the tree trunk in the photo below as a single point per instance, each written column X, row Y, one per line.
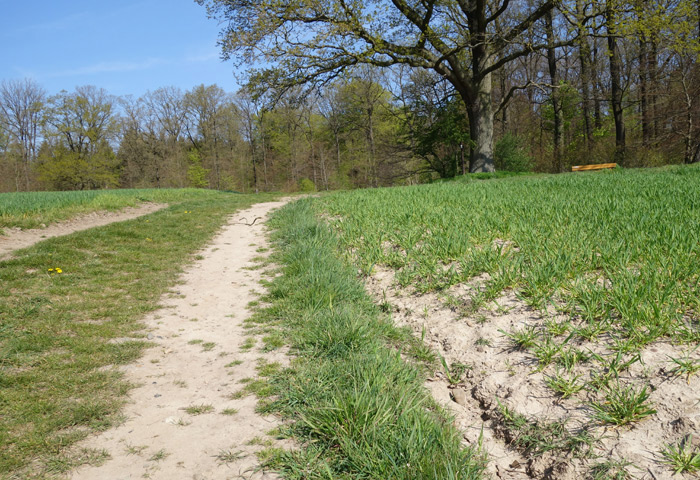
column 480, row 113
column 652, row 55
column 690, row 149
column 616, row 83
column 504, row 109
column 584, row 52
column 598, row 121
column 556, row 104
column 644, row 90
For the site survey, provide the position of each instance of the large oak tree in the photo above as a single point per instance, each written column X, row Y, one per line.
column 294, row 42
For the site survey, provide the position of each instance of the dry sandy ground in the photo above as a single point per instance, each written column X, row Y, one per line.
column 15, row 239
column 198, row 333
column 497, row 373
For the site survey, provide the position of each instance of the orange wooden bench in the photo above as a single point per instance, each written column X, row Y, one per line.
column 600, row 166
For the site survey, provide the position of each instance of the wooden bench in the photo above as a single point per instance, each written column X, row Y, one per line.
column 600, row 166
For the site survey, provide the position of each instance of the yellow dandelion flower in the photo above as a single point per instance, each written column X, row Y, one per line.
column 149, row 239
column 50, row 269
column 58, row 270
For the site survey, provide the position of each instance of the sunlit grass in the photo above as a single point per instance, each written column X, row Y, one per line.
column 31, row 209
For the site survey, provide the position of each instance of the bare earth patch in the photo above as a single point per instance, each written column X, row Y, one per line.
column 489, row 373
column 15, row 238
column 184, row 420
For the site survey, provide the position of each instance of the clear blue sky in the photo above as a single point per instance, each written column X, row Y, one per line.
column 124, row 46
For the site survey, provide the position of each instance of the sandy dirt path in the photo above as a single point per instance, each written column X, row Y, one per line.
column 15, row 238
column 198, row 334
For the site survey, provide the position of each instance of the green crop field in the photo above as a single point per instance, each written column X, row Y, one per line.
column 586, row 287
column 31, row 209
column 547, row 237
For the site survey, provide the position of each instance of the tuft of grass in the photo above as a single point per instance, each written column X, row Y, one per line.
column 208, row 346
column 247, row 345
column 682, row 456
column 135, row 449
column 611, row 469
column 260, row 441
column 199, row 409
column 455, row 372
column 623, row 405
column 685, row 365
column 536, row 437
column 522, row 339
column 161, row 454
column 229, row 456
column 229, row 411
column 564, row 386
column 272, row 342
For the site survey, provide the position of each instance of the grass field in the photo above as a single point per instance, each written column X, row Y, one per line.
column 71, row 310
column 31, row 209
column 565, row 307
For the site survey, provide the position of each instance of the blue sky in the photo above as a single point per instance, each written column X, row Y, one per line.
column 127, row 47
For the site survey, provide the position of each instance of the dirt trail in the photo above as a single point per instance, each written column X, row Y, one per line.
column 198, row 335
column 14, row 239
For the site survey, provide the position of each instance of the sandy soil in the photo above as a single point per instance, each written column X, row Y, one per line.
column 197, row 334
column 498, row 373
column 15, row 238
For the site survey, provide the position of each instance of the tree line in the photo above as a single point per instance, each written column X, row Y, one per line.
column 427, row 89
column 627, row 67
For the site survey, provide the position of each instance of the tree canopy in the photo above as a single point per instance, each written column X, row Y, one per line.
column 464, row 41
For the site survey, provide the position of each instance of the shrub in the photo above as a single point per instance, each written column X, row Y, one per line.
column 509, row 155
column 306, row 185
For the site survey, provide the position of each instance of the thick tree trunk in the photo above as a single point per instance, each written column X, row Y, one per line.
column 480, row 113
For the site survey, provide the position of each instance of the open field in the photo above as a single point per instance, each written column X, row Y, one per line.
column 515, row 328
column 564, row 310
column 71, row 310
column 32, row 209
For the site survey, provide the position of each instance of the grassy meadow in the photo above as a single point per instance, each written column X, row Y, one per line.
column 71, row 310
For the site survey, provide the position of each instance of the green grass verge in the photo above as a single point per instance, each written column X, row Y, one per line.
column 61, row 332
column 358, row 409
column 31, row 209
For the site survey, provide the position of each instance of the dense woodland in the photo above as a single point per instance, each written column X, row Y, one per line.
column 565, row 83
